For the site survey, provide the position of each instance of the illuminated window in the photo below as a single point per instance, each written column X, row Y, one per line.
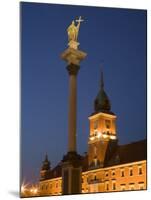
column 95, row 162
column 107, row 123
column 140, row 170
column 96, row 124
column 122, row 173
column 113, row 185
column 106, row 174
column 56, row 185
column 141, row 185
column 95, row 133
column 131, row 186
column 113, row 173
column 123, row 187
column 107, row 186
column 131, row 172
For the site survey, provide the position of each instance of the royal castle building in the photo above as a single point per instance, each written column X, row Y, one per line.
column 107, row 166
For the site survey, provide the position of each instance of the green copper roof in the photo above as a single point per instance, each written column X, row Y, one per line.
column 102, row 102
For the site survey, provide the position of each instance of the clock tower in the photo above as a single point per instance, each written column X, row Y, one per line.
column 102, row 138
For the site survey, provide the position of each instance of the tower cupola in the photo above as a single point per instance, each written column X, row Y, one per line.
column 45, row 169
column 46, row 163
column 102, row 102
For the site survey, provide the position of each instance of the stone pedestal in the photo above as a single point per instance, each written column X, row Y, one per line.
column 71, row 163
column 71, row 173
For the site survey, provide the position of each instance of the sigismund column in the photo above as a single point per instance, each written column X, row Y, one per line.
column 71, row 163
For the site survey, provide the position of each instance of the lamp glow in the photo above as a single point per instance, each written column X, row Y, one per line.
column 113, row 137
column 92, row 138
column 35, row 190
column 22, row 189
column 105, row 136
column 99, row 135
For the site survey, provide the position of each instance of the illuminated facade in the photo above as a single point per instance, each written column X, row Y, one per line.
column 107, row 166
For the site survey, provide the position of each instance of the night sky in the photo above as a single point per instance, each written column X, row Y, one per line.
column 112, row 38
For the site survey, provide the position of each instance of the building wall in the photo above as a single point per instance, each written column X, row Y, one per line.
column 51, row 187
column 130, row 176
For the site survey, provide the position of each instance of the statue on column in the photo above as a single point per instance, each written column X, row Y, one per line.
column 73, row 32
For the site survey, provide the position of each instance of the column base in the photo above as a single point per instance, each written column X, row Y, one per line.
column 71, row 173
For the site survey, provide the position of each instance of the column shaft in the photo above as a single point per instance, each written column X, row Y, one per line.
column 72, row 113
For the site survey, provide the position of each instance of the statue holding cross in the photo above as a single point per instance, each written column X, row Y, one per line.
column 73, row 30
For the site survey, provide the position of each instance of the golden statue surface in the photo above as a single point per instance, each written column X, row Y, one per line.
column 73, row 31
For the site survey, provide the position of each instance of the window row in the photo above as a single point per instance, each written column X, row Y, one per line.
column 49, row 186
column 107, row 124
column 122, row 173
column 131, row 186
column 140, row 172
column 113, row 186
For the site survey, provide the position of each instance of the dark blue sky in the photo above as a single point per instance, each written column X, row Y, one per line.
column 116, row 36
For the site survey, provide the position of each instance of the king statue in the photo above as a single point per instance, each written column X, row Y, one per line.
column 73, row 31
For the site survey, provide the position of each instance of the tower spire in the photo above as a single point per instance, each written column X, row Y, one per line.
column 45, row 169
column 102, row 79
column 102, row 102
column 46, row 157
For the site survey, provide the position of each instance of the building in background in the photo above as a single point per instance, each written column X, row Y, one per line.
column 107, row 166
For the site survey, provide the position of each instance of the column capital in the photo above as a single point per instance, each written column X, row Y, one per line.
column 73, row 69
column 73, row 56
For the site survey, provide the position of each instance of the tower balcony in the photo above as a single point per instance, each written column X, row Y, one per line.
column 108, row 135
column 103, row 135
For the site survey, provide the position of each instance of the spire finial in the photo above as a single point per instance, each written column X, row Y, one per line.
column 46, row 157
column 102, row 79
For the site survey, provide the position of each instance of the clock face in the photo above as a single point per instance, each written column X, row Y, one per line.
column 96, row 124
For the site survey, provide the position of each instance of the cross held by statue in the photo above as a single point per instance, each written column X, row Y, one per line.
column 79, row 20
